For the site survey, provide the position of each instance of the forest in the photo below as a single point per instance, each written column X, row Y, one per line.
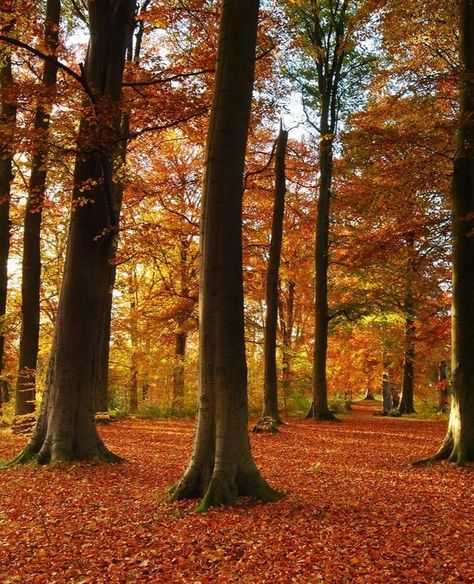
column 236, row 291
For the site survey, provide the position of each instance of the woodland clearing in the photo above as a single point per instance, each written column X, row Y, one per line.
column 355, row 511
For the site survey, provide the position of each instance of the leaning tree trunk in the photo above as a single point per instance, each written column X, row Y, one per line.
column 320, row 408
column 458, row 444
column 66, row 428
column 407, row 405
column 270, row 388
column 7, row 130
column 31, row 266
column 222, row 466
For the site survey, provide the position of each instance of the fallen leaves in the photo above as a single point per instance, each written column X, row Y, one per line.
column 355, row 512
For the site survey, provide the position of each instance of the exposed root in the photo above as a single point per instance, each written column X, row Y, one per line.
column 225, row 492
column 322, row 416
column 220, row 493
column 192, row 485
column 27, row 455
column 444, row 453
column 255, row 486
column 45, row 456
column 267, row 424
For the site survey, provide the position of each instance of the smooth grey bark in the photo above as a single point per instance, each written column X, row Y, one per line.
column 222, row 467
column 31, row 262
column 7, row 133
column 270, row 387
column 66, row 429
column 458, row 444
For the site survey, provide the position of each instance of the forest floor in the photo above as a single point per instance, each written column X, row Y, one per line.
column 356, row 511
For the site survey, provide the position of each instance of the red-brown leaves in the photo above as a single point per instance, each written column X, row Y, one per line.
column 355, row 512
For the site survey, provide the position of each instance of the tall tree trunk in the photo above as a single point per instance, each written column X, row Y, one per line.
column 181, row 334
column 101, row 392
column 319, row 408
column 31, row 267
column 270, row 389
column 406, row 400
column 222, row 467
column 133, row 387
column 287, row 316
column 7, row 131
column 66, row 428
column 458, row 444
column 178, row 372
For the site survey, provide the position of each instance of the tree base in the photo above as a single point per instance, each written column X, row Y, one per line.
column 321, row 416
column 223, row 491
column 451, row 451
column 267, row 424
column 44, row 456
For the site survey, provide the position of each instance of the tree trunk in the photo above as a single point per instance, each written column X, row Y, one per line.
column 222, row 467
column 66, row 428
column 458, row 444
column 270, row 391
column 133, row 387
column 7, row 131
column 443, row 386
column 31, row 267
column 178, row 372
column 406, row 405
column 101, row 392
column 287, row 316
column 181, row 334
column 320, row 408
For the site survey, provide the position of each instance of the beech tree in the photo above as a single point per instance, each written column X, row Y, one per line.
column 31, row 267
column 458, row 444
column 7, row 131
column 270, row 388
column 222, row 467
column 65, row 429
column 330, row 63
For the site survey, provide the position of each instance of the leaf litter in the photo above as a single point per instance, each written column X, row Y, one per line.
column 355, row 512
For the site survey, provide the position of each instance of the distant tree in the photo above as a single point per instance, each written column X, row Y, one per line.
column 222, row 467
column 65, row 429
column 270, row 389
column 330, row 72
column 458, row 444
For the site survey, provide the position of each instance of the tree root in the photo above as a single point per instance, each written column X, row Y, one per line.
column 322, row 416
column 225, row 492
column 267, row 424
column 26, row 456
column 30, row 454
